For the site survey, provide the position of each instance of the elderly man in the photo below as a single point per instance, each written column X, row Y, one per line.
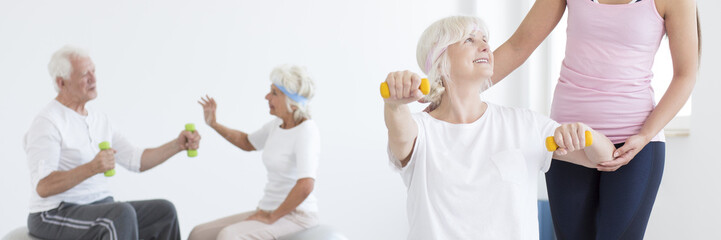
column 70, row 197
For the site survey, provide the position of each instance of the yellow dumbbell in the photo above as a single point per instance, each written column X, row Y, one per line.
column 551, row 143
column 425, row 88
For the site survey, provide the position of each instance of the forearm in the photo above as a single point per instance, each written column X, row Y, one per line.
column 683, row 38
column 297, row 195
column 154, row 156
column 670, row 104
column 601, row 150
column 402, row 130
column 508, row 57
column 60, row 181
column 235, row 137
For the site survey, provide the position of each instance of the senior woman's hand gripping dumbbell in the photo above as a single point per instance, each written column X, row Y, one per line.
column 552, row 146
column 425, row 88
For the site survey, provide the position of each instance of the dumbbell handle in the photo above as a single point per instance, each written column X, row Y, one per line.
column 191, row 128
column 425, row 88
column 552, row 146
column 105, row 146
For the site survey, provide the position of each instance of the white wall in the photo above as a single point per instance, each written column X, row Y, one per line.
column 687, row 206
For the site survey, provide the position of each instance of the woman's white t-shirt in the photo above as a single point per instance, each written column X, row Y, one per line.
column 288, row 155
column 477, row 180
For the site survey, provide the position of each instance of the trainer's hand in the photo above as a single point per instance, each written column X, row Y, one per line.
column 403, row 88
column 625, row 153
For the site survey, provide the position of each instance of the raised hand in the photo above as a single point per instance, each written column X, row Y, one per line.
column 209, row 107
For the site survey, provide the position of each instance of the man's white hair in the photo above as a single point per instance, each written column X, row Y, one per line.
column 60, row 65
column 431, row 53
column 296, row 80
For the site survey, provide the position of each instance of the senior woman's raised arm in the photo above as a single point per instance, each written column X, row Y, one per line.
column 237, row 138
column 402, row 130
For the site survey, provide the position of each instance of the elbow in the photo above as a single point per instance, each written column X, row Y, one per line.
column 246, row 146
column 601, row 157
column 42, row 191
column 306, row 191
column 309, row 190
column 43, row 194
column 243, row 142
column 607, row 156
column 144, row 166
column 306, row 186
column 398, row 138
column 48, row 186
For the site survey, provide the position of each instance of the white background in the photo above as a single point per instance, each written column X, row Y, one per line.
column 156, row 58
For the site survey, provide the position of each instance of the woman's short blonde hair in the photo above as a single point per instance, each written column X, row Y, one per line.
column 295, row 79
column 431, row 51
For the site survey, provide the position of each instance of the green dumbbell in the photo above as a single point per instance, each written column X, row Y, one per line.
column 105, row 146
column 191, row 128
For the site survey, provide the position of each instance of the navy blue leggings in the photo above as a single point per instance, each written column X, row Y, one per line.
column 588, row 204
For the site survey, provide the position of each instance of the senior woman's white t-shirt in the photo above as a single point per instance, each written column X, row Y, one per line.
column 477, row 180
column 288, row 155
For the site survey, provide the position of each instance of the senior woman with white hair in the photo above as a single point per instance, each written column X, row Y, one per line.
column 471, row 167
column 292, row 148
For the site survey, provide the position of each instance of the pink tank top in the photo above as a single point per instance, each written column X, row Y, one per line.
column 605, row 79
